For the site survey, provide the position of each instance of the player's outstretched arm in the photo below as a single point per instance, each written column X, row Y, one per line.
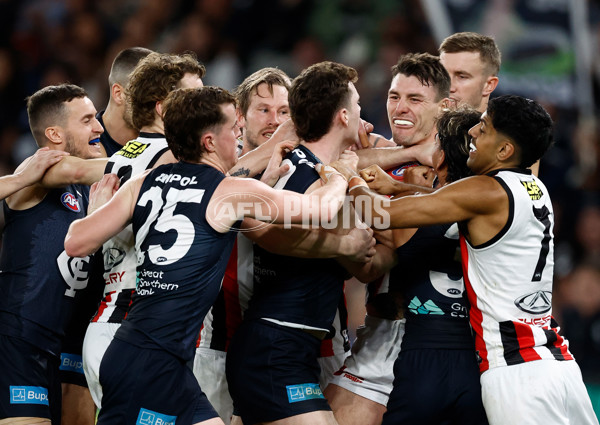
column 357, row 244
column 73, row 170
column 30, row 171
column 88, row 234
column 236, row 198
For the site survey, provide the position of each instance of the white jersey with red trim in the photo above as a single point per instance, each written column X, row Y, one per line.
column 118, row 253
column 509, row 280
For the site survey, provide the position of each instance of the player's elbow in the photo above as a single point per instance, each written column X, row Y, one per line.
column 75, row 243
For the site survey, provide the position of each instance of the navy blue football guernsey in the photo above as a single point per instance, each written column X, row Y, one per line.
column 302, row 291
column 38, row 281
column 429, row 275
column 181, row 259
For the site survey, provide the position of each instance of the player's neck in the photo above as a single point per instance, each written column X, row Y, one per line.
column 156, row 127
column 328, row 148
column 116, row 127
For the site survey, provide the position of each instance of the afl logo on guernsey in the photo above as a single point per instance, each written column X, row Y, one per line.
column 70, row 201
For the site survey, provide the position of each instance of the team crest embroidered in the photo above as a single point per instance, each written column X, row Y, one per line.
column 70, row 201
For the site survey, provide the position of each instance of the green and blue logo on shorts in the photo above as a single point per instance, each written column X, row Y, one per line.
column 28, row 395
column 303, row 392
column 148, row 417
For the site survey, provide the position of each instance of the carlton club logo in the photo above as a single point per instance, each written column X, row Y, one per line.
column 70, row 201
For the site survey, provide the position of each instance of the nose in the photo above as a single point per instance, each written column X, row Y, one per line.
column 473, row 130
column 97, row 128
column 274, row 118
column 401, row 106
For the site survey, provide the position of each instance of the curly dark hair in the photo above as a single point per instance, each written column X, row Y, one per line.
column 269, row 76
column 188, row 114
column 153, row 79
column 525, row 122
column 46, row 108
column 453, row 127
column 427, row 69
column 316, row 95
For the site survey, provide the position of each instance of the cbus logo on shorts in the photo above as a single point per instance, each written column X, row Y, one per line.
column 70, row 201
column 28, row 395
column 303, row 392
column 149, row 417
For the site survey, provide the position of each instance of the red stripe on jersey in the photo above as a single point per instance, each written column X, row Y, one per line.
column 475, row 315
column 103, row 305
column 326, row 348
column 560, row 344
column 526, row 342
column 233, row 310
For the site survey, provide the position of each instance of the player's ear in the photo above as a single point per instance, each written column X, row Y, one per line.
column 241, row 120
column 117, row 93
column 158, row 108
column 490, row 85
column 208, row 142
column 343, row 117
column 54, row 134
column 507, row 150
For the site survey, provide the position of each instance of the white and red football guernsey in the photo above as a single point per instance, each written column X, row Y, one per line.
column 119, row 255
column 509, row 280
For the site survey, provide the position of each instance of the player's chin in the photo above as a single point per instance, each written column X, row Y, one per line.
column 95, row 151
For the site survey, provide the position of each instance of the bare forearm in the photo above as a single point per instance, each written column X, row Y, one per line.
column 300, row 242
column 11, row 184
column 386, row 157
column 72, row 170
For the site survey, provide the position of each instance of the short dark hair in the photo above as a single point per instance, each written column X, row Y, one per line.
column 453, row 126
column 525, row 122
column 153, row 79
column 316, row 95
column 269, row 76
column 473, row 42
column 46, row 108
column 124, row 63
column 427, row 69
column 188, row 114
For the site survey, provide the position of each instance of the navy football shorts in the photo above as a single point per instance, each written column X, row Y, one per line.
column 436, row 386
column 149, row 386
column 273, row 373
column 29, row 381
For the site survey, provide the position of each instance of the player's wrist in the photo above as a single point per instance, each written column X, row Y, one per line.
column 356, row 181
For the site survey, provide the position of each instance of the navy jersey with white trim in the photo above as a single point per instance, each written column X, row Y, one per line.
column 304, row 291
column 429, row 275
column 181, row 259
column 38, row 281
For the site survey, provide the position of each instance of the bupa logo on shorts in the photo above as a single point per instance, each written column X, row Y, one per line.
column 149, row 417
column 132, row 149
column 303, row 392
column 28, row 395
column 71, row 363
column 70, row 201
